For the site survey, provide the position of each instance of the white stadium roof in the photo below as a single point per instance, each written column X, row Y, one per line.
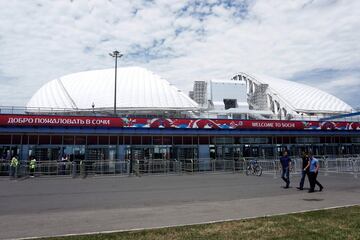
column 137, row 89
column 300, row 97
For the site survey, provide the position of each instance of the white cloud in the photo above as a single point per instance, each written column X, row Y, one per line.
column 347, row 82
column 183, row 42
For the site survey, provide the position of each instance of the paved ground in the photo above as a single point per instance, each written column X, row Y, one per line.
column 56, row 206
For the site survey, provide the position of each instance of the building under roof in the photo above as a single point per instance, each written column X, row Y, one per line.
column 138, row 90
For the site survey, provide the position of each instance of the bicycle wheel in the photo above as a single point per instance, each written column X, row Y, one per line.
column 258, row 170
column 248, row 171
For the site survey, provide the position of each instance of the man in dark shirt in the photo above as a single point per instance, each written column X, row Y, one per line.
column 286, row 166
column 304, row 170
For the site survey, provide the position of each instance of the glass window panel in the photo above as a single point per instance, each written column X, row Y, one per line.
column 286, row 140
column 177, row 140
column 167, row 140
column 157, row 140
column 136, row 140
column 5, row 139
column 127, row 140
column 25, row 139
column 80, row 140
column 33, row 139
column 56, row 139
column 44, row 139
column 187, row 140
column 104, row 140
column 113, row 140
column 121, row 140
column 204, row 140
column 146, row 140
column 16, row 139
column 68, row 140
column 92, row 140
column 224, row 140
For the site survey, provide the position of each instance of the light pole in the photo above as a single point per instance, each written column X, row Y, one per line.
column 115, row 54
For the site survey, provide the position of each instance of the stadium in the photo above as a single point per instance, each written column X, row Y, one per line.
column 247, row 116
column 138, row 91
column 143, row 93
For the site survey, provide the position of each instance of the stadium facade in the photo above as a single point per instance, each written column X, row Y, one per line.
column 139, row 91
column 246, row 116
column 262, row 97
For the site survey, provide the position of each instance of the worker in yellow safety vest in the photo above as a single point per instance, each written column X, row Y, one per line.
column 14, row 167
column 32, row 166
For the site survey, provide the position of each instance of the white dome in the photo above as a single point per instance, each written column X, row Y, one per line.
column 137, row 89
column 303, row 98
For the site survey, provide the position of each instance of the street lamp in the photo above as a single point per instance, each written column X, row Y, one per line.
column 115, row 54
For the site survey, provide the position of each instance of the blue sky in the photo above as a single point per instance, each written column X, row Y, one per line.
column 315, row 42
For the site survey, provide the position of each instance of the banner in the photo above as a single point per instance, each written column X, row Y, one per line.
column 170, row 123
column 58, row 121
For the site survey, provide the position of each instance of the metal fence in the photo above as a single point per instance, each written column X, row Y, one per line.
column 85, row 168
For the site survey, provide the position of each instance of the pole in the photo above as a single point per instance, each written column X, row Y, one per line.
column 116, row 57
column 116, row 54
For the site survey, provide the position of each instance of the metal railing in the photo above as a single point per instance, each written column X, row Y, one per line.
column 84, row 168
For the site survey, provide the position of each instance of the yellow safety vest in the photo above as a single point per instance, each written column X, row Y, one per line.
column 32, row 163
column 14, row 162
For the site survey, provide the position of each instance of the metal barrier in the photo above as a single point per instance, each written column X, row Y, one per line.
column 157, row 166
column 104, row 167
column 4, row 168
column 86, row 168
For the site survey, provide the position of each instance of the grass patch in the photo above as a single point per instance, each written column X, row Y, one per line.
column 340, row 223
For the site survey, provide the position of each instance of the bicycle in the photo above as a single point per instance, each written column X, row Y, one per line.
column 253, row 168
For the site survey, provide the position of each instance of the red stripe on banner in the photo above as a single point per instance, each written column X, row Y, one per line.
column 112, row 122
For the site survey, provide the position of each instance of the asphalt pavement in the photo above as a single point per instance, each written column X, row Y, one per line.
column 38, row 207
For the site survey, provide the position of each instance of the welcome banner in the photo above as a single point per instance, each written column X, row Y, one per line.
column 181, row 123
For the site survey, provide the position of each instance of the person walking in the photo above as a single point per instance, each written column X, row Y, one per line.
column 32, row 166
column 304, row 170
column 313, row 172
column 14, row 167
column 64, row 162
column 286, row 166
column 83, row 170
